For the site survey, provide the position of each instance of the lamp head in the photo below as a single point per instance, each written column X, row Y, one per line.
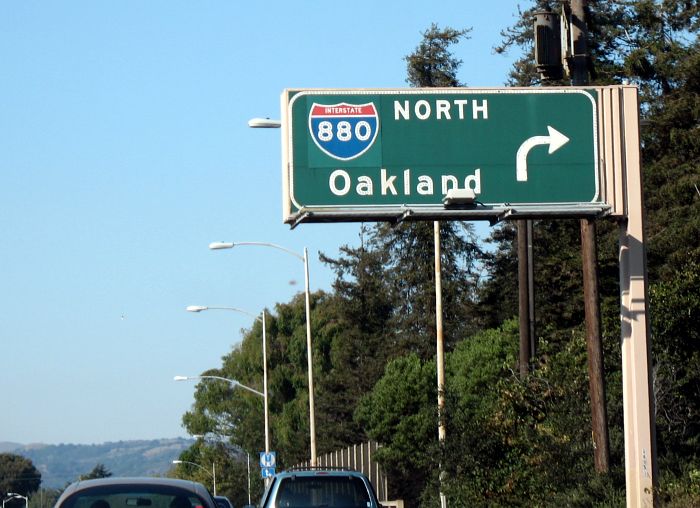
column 264, row 123
column 195, row 308
column 221, row 245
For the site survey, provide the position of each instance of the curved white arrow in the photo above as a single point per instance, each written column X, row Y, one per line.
column 555, row 140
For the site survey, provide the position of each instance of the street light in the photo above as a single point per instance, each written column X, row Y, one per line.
column 231, row 381
column 212, row 473
column 264, row 123
column 309, row 358
column 200, row 308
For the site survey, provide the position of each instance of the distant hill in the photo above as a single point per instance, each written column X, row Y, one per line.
column 6, row 446
column 64, row 463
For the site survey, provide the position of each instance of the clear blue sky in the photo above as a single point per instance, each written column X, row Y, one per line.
column 124, row 152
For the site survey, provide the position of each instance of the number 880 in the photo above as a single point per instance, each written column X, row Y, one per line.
column 344, row 131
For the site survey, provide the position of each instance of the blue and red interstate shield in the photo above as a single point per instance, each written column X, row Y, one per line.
column 344, row 131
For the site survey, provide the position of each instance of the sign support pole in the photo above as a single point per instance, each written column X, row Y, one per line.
column 524, row 299
column 640, row 436
column 440, row 354
column 589, row 257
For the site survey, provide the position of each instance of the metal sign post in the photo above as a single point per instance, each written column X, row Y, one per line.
column 640, row 432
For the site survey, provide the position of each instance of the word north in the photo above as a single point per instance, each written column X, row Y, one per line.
column 441, row 109
column 341, row 183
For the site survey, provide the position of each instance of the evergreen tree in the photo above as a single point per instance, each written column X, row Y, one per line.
column 432, row 64
column 672, row 171
column 408, row 248
column 99, row 471
column 358, row 353
column 498, row 294
column 654, row 45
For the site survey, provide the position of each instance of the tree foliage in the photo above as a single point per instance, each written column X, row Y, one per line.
column 361, row 332
column 400, row 413
column 210, row 456
column 432, row 64
column 18, row 474
column 222, row 410
column 676, row 311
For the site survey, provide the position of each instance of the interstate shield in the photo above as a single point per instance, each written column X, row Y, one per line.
column 344, row 131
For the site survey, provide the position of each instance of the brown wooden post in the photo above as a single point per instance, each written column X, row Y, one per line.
column 589, row 254
column 523, row 299
column 531, row 288
column 596, row 381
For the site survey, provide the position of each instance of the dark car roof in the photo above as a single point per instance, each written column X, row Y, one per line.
column 188, row 485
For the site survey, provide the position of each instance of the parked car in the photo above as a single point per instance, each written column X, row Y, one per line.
column 223, row 502
column 136, row 493
column 315, row 487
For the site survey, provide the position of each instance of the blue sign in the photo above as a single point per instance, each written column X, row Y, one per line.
column 267, row 472
column 268, row 460
column 343, row 131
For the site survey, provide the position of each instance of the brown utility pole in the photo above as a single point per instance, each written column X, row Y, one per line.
column 594, row 346
column 601, row 446
column 523, row 298
column 531, row 288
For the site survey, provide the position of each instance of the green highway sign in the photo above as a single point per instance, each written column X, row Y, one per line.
column 379, row 154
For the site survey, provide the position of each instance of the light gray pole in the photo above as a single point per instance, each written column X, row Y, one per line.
column 200, row 308
column 213, row 470
column 248, row 478
column 309, row 355
column 267, row 414
column 310, row 362
column 440, row 349
column 637, row 395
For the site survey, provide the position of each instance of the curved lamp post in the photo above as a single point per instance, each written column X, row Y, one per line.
column 211, row 473
column 261, row 318
column 309, row 358
column 230, row 381
column 235, row 383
